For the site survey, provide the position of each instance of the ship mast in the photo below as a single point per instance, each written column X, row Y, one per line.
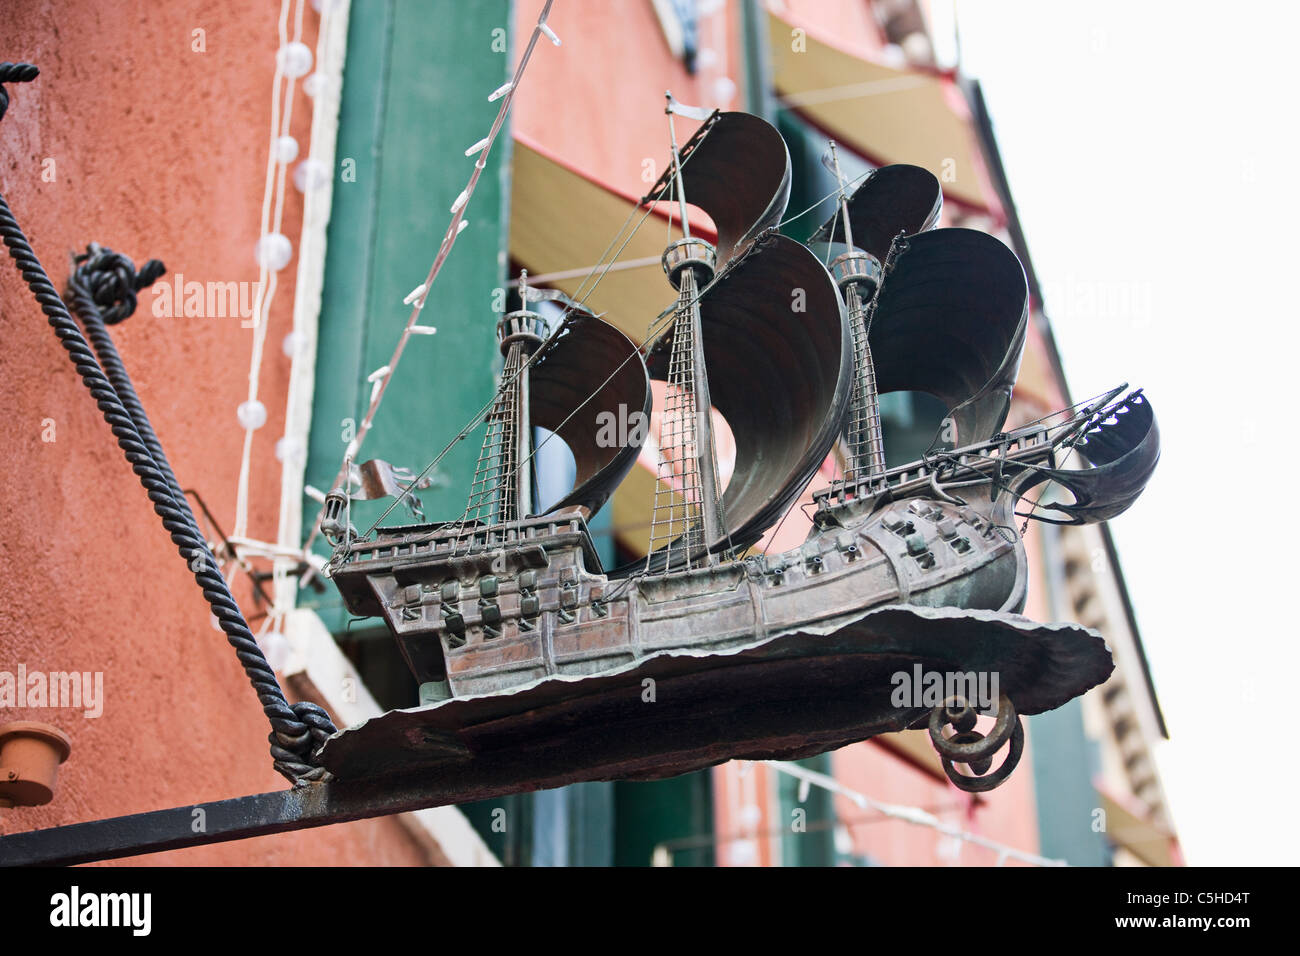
column 858, row 274
column 502, row 491
column 687, row 440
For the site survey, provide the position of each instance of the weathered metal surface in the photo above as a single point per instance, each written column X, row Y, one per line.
column 664, row 666
column 775, row 317
column 737, row 169
column 782, row 697
column 586, row 369
column 950, row 320
column 1122, row 443
column 497, row 607
column 974, row 749
column 893, row 199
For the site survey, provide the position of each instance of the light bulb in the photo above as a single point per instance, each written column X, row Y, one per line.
column 273, row 251
column 289, row 450
column 311, row 173
column 724, row 90
column 292, row 344
column 252, row 414
column 285, row 149
column 294, row 59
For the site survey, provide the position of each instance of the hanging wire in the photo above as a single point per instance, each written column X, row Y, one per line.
column 507, row 93
column 565, row 319
column 913, row 815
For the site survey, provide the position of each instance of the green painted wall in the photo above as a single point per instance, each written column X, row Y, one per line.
column 1064, row 761
column 415, row 94
column 415, row 91
column 677, row 811
column 814, row 844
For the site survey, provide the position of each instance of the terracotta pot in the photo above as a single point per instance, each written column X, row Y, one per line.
column 30, row 754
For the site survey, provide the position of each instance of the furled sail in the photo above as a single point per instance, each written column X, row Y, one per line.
column 737, row 169
column 586, row 375
column 776, row 345
column 950, row 320
column 1122, row 448
column 892, row 199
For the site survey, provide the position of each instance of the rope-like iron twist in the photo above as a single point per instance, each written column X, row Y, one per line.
column 105, row 279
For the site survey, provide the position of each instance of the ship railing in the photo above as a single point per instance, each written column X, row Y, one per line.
column 455, row 539
column 1026, row 445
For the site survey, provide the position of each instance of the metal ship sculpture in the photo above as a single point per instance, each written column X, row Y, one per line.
column 534, row 660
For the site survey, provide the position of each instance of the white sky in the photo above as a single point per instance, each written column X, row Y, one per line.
column 1150, row 149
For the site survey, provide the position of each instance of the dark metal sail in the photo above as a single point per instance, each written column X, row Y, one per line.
column 585, row 377
column 776, row 343
column 737, row 169
column 1123, row 447
column 893, row 199
column 950, row 320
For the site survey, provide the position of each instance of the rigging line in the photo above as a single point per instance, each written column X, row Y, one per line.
column 1072, row 409
column 546, row 278
column 582, row 300
column 553, row 432
column 826, row 263
column 487, row 408
column 653, row 330
column 473, row 423
column 800, row 215
column 578, row 294
column 449, row 240
column 532, row 360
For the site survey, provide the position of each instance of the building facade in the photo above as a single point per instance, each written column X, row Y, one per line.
column 395, row 95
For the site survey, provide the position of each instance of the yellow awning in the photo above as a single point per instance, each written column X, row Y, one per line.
column 561, row 221
column 1152, row 844
column 887, row 115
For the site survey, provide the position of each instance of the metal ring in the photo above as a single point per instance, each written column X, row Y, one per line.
column 958, row 712
column 965, row 753
column 983, row 784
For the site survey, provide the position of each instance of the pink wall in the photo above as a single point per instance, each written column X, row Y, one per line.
column 158, row 151
column 601, row 105
column 1006, row 815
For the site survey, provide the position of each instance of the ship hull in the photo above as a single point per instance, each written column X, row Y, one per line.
column 475, row 618
column 774, row 657
column 785, row 696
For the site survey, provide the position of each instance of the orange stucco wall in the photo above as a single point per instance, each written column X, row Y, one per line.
column 158, row 151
